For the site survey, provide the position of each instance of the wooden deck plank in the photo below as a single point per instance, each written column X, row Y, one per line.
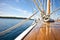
column 40, row 32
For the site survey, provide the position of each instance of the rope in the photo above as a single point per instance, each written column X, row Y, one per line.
column 41, row 7
column 40, row 4
column 38, row 7
column 55, row 11
column 17, row 25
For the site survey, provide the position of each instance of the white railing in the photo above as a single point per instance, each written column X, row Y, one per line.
column 25, row 32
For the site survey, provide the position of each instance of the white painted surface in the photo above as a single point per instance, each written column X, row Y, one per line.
column 25, row 32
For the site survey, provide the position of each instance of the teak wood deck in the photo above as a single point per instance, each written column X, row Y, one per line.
column 45, row 31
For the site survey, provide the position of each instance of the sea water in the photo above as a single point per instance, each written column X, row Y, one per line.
column 8, row 23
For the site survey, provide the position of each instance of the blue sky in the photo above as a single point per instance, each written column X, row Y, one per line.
column 16, row 8
column 22, row 8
